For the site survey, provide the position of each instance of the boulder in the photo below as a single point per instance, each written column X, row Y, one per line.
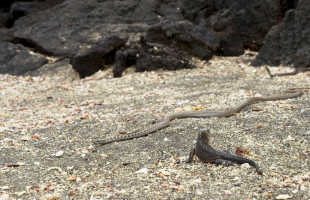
column 89, row 61
column 73, row 25
column 5, row 5
column 4, row 17
column 6, row 35
column 183, row 35
column 288, row 43
column 16, row 60
column 201, row 28
column 242, row 23
column 147, row 56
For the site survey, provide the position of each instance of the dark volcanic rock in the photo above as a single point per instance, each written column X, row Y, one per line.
column 149, row 56
column 93, row 34
column 5, row 5
column 20, row 9
column 287, row 5
column 74, row 24
column 6, row 35
column 17, row 9
column 4, row 17
column 227, row 34
column 70, row 27
column 193, row 39
column 247, row 20
column 197, row 10
column 288, row 43
column 16, row 60
column 160, row 56
column 89, row 61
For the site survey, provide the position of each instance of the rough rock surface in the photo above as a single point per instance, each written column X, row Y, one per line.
column 4, row 17
column 250, row 20
column 12, row 57
column 148, row 56
column 88, row 61
column 6, row 35
column 85, row 24
column 64, row 28
column 288, row 43
column 196, row 40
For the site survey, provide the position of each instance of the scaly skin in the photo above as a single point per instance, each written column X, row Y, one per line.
column 296, row 71
column 208, row 154
column 196, row 114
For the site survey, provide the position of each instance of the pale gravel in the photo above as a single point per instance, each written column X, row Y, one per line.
column 49, row 120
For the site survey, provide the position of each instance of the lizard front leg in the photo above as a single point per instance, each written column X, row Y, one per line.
column 191, row 156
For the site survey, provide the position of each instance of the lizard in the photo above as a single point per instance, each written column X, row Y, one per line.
column 195, row 114
column 206, row 153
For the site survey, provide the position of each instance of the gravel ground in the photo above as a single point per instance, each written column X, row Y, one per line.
column 49, row 119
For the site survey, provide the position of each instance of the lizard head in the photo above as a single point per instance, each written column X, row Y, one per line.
column 204, row 136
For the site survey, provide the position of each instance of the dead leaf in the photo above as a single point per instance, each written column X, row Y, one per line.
column 240, row 151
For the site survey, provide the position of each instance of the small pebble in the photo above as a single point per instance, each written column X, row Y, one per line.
column 59, row 153
column 283, row 196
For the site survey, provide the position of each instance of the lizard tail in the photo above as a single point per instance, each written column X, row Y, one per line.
column 240, row 160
